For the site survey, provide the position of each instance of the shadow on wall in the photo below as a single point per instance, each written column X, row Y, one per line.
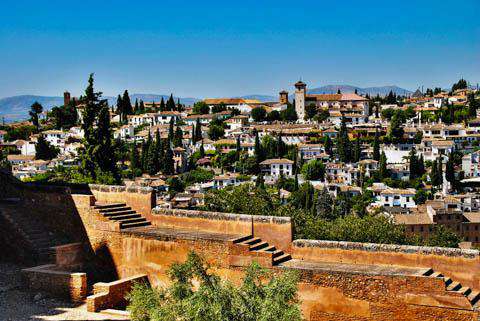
column 55, row 208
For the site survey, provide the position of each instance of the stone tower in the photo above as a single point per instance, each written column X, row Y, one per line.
column 300, row 93
column 284, row 97
column 66, row 98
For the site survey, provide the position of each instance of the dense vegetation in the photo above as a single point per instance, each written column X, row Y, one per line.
column 260, row 297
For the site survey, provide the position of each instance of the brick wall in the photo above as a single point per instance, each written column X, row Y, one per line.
column 459, row 264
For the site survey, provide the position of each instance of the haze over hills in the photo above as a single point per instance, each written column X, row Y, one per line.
column 16, row 107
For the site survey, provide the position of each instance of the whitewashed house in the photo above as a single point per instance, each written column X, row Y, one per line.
column 278, row 166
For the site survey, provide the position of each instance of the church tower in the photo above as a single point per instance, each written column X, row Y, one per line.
column 283, row 97
column 300, row 93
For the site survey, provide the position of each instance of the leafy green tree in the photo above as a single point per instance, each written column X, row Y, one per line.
column 35, row 110
column 442, row 236
column 274, row 115
column 289, row 114
column 44, row 150
column 310, row 111
column 396, row 127
column 215, row 131
column 219, row 108
column 314, row 170
column 261, row 296
column 259, row 114
column 325, row 205
column 200, row 107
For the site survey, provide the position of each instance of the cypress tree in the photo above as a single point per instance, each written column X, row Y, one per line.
column 142, row 107
column 178, row 137
column 280, row 146
column 327, row 145
column 127, row 104
column 35, row 110
column 343, row 143
column 90, row 113
column 169, row 166
column 44, row 150
column 198, row 130
column 162, row 105
column 421, row 166
column 120, row 110
column 450, row 170
column 383, row 166
column 376, row 147
column 105, row 151
column 171, row 130
column 413, row 165
column 357, row 151
column 238, row 148
column 170, row 103
column 202, row 151
column 258, row 150
column 137, row 107
column 135, row 164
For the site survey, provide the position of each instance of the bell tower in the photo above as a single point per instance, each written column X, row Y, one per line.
column 300, row 93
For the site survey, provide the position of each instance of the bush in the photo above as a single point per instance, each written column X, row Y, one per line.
column 261, row 296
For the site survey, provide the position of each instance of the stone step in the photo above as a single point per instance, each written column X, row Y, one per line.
column 115, row 209
column 124, row 217
column 454, row 286
column 269, row 248
column 132, row 220
column 242, row 239
column 278, row 253
column 447, row 280
column 473, row 297
column 281, row 259
column 112, row 205
column 138, row 224
column 426, row 272
column 436, row 275
column 118, row 213
column 258, row 246
column 252, row 241
column 465, row 290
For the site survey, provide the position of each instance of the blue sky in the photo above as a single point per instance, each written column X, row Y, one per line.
column 228, row 48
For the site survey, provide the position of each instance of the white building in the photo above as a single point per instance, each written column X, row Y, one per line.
column 124, row 132
column 55, row 137
column 222, row 181
column 471, row 164
column 397, row 198
column 278, row 166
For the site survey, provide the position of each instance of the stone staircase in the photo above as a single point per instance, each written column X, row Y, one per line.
column 454, row 286
column 254, row 249
column 124, row 215
column 37, row 240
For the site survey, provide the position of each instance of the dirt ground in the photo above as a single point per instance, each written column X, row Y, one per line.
column 19, row 304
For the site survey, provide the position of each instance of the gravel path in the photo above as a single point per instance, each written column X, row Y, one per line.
column 19, row 304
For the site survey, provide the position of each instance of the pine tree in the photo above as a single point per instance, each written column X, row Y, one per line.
column 170, row 103
column 44, row 150
column 35, row 110
column 376, row 147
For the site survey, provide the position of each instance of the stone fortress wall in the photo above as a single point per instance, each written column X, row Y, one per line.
column 339, row 280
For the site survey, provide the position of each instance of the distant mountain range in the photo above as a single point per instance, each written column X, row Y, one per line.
column 16, row 107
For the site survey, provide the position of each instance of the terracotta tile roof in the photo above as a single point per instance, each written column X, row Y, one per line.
column 276, row 161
